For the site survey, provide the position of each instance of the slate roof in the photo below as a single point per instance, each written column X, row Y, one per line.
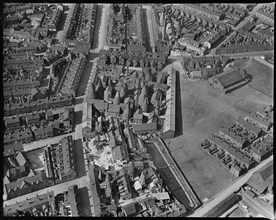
column 230, row 78
column 12, row 148
column 129, row 209
column 262, row 178
column 249, row 126
column 117, row 153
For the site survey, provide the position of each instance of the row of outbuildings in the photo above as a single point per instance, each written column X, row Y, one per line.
column 244, row 141
column 41, row 104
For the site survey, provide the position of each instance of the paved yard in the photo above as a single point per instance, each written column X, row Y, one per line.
column 203, row 111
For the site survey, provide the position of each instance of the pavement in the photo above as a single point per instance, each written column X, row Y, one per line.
column 233, row 55
column 217, row 199
column 59, row 188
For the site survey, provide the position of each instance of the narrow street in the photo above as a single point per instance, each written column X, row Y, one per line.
column 149, row 25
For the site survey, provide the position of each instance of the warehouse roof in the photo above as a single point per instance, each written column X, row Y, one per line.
column 229, row 79
column 144, row 127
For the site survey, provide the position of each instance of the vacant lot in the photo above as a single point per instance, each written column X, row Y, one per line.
column 203, row 111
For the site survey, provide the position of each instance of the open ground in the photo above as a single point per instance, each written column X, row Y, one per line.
column 262, row 75
column 203, row 111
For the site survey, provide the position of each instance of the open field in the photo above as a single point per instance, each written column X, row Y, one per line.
column 203, row 111
column 262, row 75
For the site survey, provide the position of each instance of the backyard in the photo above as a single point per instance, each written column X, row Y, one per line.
column 203, row 111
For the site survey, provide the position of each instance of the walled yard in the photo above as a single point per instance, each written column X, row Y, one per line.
column 203, row 111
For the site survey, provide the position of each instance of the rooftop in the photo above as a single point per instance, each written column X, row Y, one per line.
column 229, row 79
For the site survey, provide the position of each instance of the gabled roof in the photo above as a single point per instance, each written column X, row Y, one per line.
column 12, row 148
column 230, row 78
column 18, row 184
column 123, row 91
column 117, row 153
column 117, row 98
column 265, row 172
column 6, row 180
column 20, row 159
column 126, row 113
column 249, row 126
column 92, row 93
column 129, row 209
column 33, row 179
column 145, row 106
column 31, row 173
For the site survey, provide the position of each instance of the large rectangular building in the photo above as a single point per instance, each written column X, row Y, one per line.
column 169, row 122
column 229, row 81
column 262, row 180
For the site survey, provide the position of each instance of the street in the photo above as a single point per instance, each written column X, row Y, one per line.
column 231, row 55
column 103, row 27
column 213, row 202
column 44, row 143
column 149, row 25
column 59, row 188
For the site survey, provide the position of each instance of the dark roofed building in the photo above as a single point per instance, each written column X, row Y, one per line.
column 129, row 209
column 251, row 127
column 73, row 200
column 232, row 151
column 262, row 148
column 232, row 137
column 12, row 148
column 124, row 187
column 117, row 153
column 12, row 123
column 262, row 179
column 38, row 200
column 227, row 82
column 263, row 122
column 144, row 128
column 224, row 206
column 64, row 161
